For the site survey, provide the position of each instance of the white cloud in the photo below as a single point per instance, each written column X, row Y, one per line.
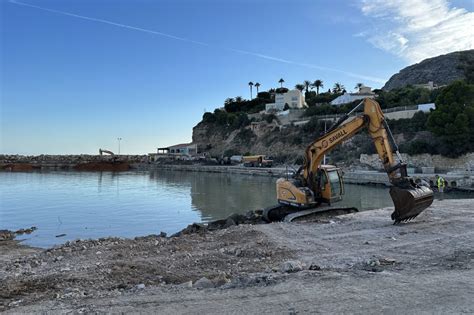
column 418, row 29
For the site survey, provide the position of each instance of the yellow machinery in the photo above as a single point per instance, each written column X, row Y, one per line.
column 101, row 152
column 257, row 161
column 315, row 184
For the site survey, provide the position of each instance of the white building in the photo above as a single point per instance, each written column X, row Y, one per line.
column 294, row 99
column 364, row 92
column 189, row 149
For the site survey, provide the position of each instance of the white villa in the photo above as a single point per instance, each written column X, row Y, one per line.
column 294, row 99
column 364, row 92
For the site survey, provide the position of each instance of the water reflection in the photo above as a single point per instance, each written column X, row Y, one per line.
column 99, row 204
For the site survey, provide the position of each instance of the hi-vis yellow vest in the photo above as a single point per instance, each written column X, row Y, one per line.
column 440, row 181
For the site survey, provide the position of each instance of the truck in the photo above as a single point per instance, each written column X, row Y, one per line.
column 257, row 161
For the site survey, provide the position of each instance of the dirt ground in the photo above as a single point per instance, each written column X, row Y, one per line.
column 356, row 263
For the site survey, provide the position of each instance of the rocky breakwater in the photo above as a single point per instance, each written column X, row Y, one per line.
column 83, row 162
column 459, row 172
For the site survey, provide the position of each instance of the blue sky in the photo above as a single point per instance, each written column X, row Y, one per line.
column 76, row 78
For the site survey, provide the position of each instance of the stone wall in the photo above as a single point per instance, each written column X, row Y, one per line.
column 67, row 161
column 440, row 163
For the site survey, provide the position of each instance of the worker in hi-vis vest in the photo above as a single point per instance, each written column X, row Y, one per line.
column 440, row 182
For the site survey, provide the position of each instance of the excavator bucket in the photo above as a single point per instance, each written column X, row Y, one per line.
column 410, row 200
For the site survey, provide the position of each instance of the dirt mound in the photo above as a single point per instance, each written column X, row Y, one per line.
column 110, row 265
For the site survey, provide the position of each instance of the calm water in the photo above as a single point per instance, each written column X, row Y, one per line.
column 91, row 205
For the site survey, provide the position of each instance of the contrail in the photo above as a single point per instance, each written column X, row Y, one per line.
column 183, row 39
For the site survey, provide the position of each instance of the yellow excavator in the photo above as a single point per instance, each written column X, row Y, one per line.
column 315, row 185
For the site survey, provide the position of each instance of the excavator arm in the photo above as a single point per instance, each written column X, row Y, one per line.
column 409, row 198
column 374, row 120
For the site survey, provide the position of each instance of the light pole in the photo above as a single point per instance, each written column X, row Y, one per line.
column 119, row 145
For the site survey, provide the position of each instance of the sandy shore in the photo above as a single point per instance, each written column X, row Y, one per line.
column 356, row 263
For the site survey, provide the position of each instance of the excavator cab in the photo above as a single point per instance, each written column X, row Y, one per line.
column 326, row 187
column 329, row 187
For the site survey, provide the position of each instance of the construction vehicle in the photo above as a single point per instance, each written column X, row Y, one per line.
column 101, row 152
column 257, row 161
column 314, row 185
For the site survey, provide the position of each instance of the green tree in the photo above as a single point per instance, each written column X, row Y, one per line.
column 281, row 81
column 338, row 88
column 251, row 85
column 358, row 86
column 453, row 119
column 299, row 87
column 318, row 84
column 257, row 85
column 208, row 117
column 307, row 85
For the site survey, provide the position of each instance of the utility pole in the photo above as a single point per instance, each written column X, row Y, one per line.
column 119, row 145
column 324, row 156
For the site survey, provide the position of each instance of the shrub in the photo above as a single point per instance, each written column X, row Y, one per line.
column 313, row 126
column 208, row 117
column 453, row 119
column 245, row 135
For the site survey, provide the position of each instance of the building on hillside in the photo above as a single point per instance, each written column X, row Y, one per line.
column 188, row 149
column 292, row 98
column 427, row 107
column 364, row 92
column 429, row 86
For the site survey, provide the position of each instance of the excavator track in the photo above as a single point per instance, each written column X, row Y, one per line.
column 291, row 214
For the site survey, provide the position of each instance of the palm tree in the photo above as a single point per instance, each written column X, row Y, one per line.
column 299, row 87
column 238, row 99
column 338, row 88
column 229, row 100
column 257, row 85
column 318, row 84
column 306, row 84
column 251, row 85
column 281, row 82
column 358, row 86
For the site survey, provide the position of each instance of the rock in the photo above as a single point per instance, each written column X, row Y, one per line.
column 203, row 283
column 229, row 222
column 6, row 235
column 314, row 267
column 59, row 258
column 163, row 234
column 291, row 266
column 140, row 286
column 373, row 262
column 220, row 280
column 187, row 284
column 441, row 70
column 387, row 261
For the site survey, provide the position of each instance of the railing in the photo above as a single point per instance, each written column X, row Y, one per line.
column 400, row 108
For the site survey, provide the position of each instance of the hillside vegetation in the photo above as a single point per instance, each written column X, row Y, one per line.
column 448, row 130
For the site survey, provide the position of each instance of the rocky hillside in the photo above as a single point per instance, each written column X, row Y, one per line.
column 267, row 139
column 284, row 145
column 441, row 70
